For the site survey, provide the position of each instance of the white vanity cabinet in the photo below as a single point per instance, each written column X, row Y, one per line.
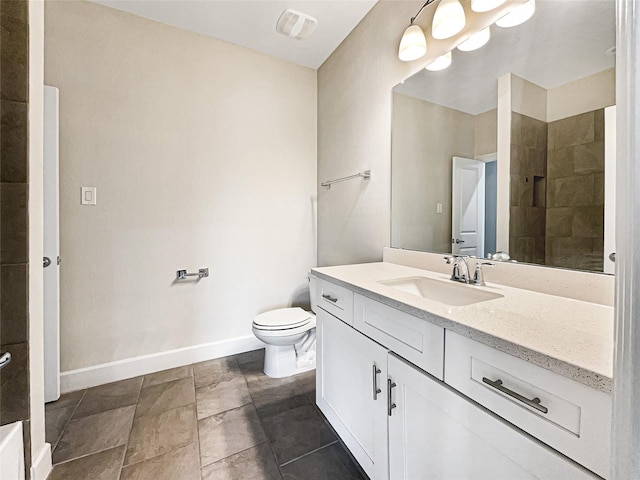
column 436, row 434
column 379, row 383
column 351, row 375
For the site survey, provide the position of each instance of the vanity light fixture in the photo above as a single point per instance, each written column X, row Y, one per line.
column 448, row 20
column 413, row 44
column 440, row 63
column 475, row 41
column 518, row 15
column 485, row 5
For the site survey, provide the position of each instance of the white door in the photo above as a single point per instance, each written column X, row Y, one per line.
column 609, row 188
column 468, row 197
column 350, row 370
column 436, row 434
column 51, row 276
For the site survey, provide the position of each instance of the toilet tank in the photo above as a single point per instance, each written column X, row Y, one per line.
column 313, row 282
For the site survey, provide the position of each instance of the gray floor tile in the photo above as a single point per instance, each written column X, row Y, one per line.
column 104, row 465
column 259, row 383
column 167, row 376
column 272, row 403
column 70, row 399
column 180, row 464
column 329, row 463
column 94, row 433
column 165, row 396
column 221, row 396
column 257, row 463
column 154, row 435
column 306, row 383
column 296, row 432
column 160, row 437
column 109, row 396
column 55, row 421
column 248, row 357
column 215, row 371
column 252, row 368
column 229, row 433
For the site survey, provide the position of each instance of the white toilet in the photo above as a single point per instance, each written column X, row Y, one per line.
column 290, row 337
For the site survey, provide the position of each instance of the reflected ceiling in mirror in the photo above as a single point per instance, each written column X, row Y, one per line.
column 530, row 168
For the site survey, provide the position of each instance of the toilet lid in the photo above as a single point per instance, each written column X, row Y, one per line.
column 283, row 317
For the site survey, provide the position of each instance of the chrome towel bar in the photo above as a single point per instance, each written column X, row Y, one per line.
column 366, row 175
column 182, row 274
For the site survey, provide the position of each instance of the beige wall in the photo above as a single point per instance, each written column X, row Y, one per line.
column 528, row 98
column 203, row 154
column 581, row 96
column 486, row 133
column 354, row 133
column 354, row 125
column 422, row 170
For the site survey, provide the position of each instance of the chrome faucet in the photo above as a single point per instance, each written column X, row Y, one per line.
column 457, row 276
column 456, row 260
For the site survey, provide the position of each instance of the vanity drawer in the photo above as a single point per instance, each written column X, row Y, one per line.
column 412, row 338
column 567, row 415
column 336, row 300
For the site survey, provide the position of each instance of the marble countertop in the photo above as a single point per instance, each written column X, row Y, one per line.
column 570, row 337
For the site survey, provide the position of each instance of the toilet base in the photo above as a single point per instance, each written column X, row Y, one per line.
column 281, row 361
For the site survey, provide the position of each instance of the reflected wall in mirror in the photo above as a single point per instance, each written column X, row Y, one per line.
column 505, row 150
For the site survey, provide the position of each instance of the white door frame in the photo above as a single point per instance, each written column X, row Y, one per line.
column 626, row 386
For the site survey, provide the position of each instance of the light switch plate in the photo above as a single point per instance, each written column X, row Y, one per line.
column 438, row 208
column 88, row 196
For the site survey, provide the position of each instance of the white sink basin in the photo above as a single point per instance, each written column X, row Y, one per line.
column 447, row 292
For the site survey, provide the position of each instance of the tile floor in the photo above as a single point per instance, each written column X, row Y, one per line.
column 221, row 419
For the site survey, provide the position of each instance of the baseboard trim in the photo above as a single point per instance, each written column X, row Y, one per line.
column 42, row 466
column 72, row 380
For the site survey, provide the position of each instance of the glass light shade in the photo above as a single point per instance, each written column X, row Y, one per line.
column 440, row 63
column 413, row 44
column 448, row 20
column 518, row 15
column 485, row 5
column 475, row 41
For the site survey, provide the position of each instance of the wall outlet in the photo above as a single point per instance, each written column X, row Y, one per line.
column 88, row 196
column 438, row 208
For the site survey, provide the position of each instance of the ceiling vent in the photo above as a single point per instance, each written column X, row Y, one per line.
column 295, row 24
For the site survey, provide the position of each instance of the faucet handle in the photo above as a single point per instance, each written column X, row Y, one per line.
column 478, row 277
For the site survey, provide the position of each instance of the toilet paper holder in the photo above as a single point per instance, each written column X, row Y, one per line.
column 182, row 274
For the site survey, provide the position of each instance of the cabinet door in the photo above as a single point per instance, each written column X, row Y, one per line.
column 345, row 378
column 434, row 433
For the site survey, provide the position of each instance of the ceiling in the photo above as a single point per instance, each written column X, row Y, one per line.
column 252, row 24
column 564, row 40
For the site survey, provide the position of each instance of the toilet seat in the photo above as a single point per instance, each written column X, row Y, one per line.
column 283, row 319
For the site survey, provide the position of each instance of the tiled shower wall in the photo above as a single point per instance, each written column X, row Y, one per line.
column 527, row 220
column 557, row 191
column 575, row 196
column 14, row 378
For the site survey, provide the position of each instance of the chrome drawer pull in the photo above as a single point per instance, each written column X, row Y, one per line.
column 376, row 390
column 390, row 404
column 533, row 403
column 329, row 297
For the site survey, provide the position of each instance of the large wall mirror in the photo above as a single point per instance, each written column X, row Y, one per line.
column 512, row 148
